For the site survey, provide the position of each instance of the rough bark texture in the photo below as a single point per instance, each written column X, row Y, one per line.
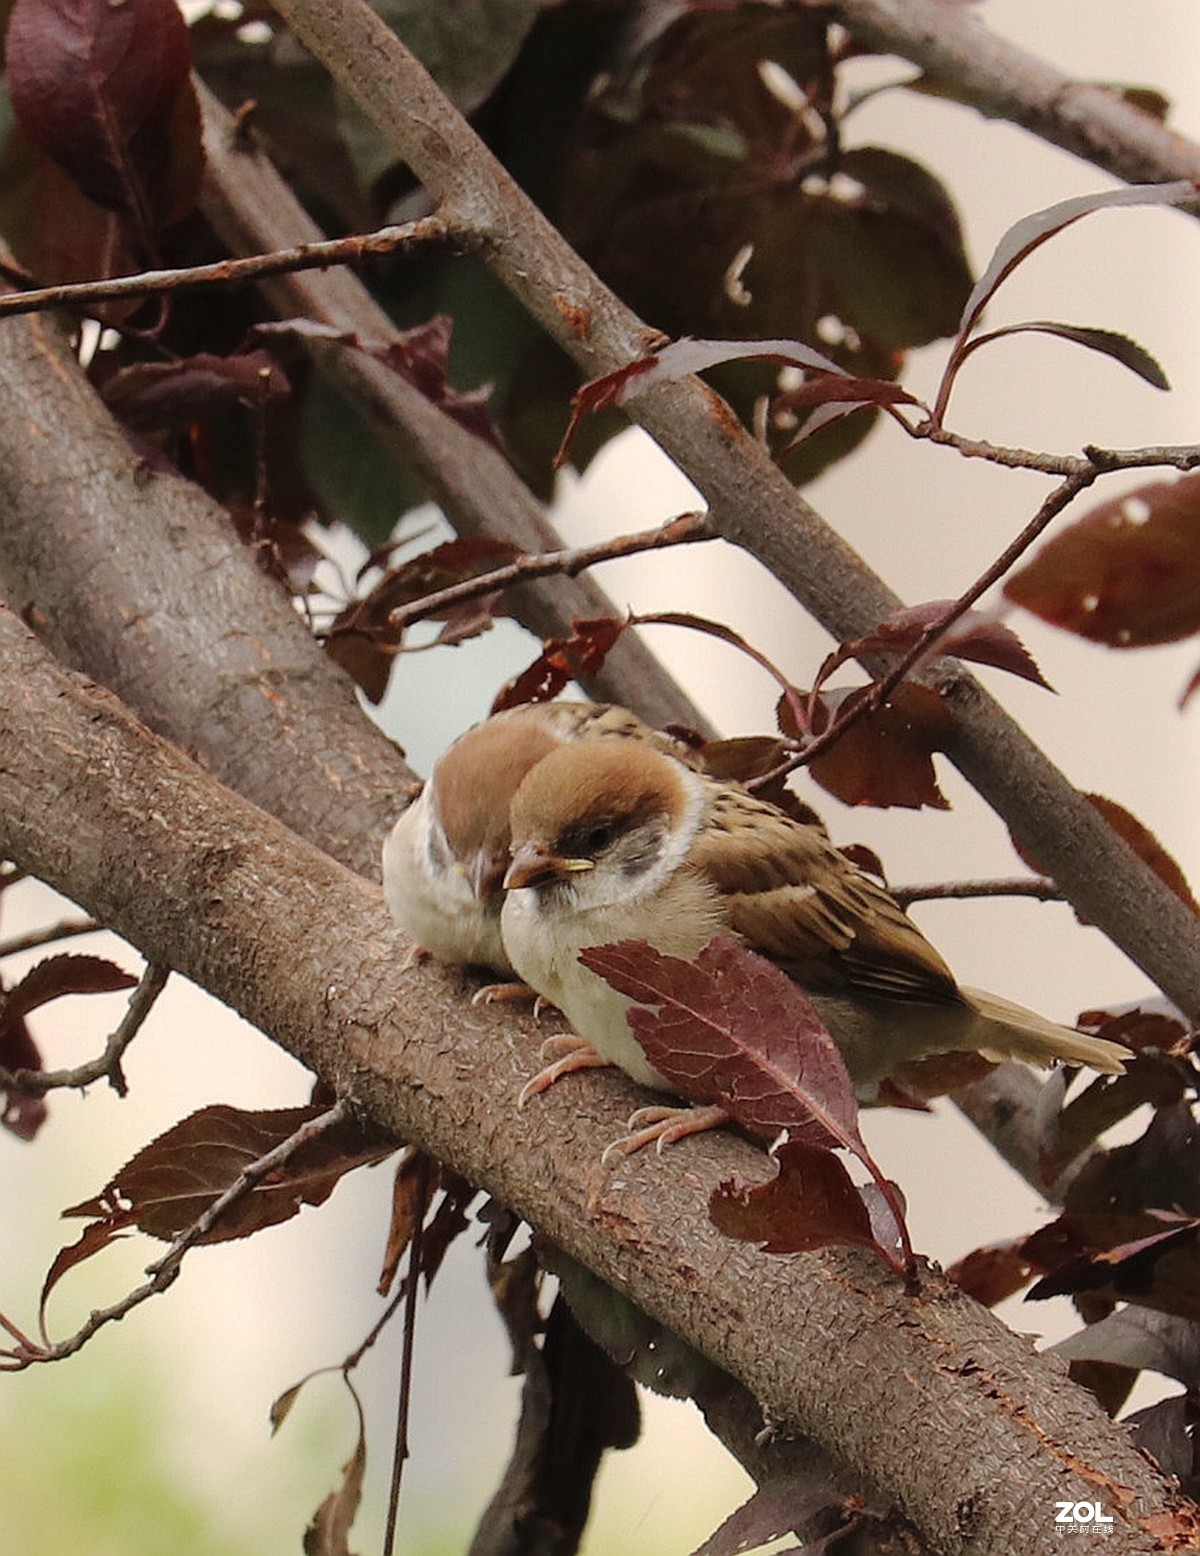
column 137, row 577
column 751, row 501
column 831, row 1345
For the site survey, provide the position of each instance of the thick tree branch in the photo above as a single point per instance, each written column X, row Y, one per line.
column 138, row 577
column 831, row 1345
column 251, row 207
column 751, row 501
column 960, row 53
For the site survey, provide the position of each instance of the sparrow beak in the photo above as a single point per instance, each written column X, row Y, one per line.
column 533, row 865
column 485, row 874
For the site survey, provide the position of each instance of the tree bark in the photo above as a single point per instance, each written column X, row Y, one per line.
column 973, row 1433
column 138, row 577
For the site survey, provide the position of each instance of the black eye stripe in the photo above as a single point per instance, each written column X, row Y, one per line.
column 587, row 840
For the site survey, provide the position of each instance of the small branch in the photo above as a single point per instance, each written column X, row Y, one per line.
column 254, row 267
column 1038, row 887
column 681, row 531
column 36, row 1083
column 163, row 1272
column 929, row 644
column 1176, row 456
column 65, row 929
column 412, row 1286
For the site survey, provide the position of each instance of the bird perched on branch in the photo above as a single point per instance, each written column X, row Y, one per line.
column 618, row 841
column 445, row 858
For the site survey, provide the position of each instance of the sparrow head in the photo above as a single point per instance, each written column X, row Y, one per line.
column 602, row 822
column 471, row 790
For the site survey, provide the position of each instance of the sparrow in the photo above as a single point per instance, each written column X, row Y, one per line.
column 444, row 860
column 617, row 841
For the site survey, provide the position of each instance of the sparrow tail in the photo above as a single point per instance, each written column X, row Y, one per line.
column 1031, row 1037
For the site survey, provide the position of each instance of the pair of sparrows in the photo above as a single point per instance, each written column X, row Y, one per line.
column 558, row 826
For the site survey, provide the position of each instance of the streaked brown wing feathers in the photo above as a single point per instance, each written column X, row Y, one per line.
column 791, row 895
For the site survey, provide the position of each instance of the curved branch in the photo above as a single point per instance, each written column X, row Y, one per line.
column 830, row 1344
column 959, row 52
column 751, row 501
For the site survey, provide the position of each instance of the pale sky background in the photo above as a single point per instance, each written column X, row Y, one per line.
column 245, row 1322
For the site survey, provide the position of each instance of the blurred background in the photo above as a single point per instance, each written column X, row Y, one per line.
column 156, row 1437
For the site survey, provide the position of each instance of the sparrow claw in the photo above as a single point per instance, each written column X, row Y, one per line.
column 575, row 1053
column 661, row 1126
column 414, row 956
column 499, row 993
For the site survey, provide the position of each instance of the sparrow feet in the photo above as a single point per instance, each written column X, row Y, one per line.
column 501, row 993
column 414, row 956
column 661, row 1126
column 573, row 1053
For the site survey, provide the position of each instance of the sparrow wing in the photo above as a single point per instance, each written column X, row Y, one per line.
column 791, row 895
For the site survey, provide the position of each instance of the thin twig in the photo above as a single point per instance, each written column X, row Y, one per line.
column 1037, row 886
column 36, row 1083
column 65, row 929
column 404, row 1398
column 254, row 267
column 681, row 531
column 1184, row 456
column 926, row 645
column 163, row 1272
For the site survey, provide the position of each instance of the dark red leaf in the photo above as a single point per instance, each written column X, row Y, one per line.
column 992, row 1274
column 972, row 636
column 1028, row 234
column 1141, row 1339
column 1140, row 839
column 805, row 1501
column 149, row 396
column 367, row 662
column 59, row 975
column 748, row 758
column 451, row 562
column 1146, row 846
column 886, row 756
column 1127, row 574
column 810, row 1203
column 842, row 389
column 94, row 1239
column 173, row 1180
column 733, row 1029
column 420, row 355
column 329, row 1532
column 363, row 638
column 1109, row 343
column 1167, row 1432
column 106, row 90
column 736, row 1031
column 563, row 660
column 1160, row 1269
column 726, row 634
column 22, row 1115
column 678, row 360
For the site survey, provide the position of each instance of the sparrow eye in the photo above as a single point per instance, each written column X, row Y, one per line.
column 589, row 841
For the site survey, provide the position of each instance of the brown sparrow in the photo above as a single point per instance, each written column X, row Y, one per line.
column 445, row 858
column 616, row 841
